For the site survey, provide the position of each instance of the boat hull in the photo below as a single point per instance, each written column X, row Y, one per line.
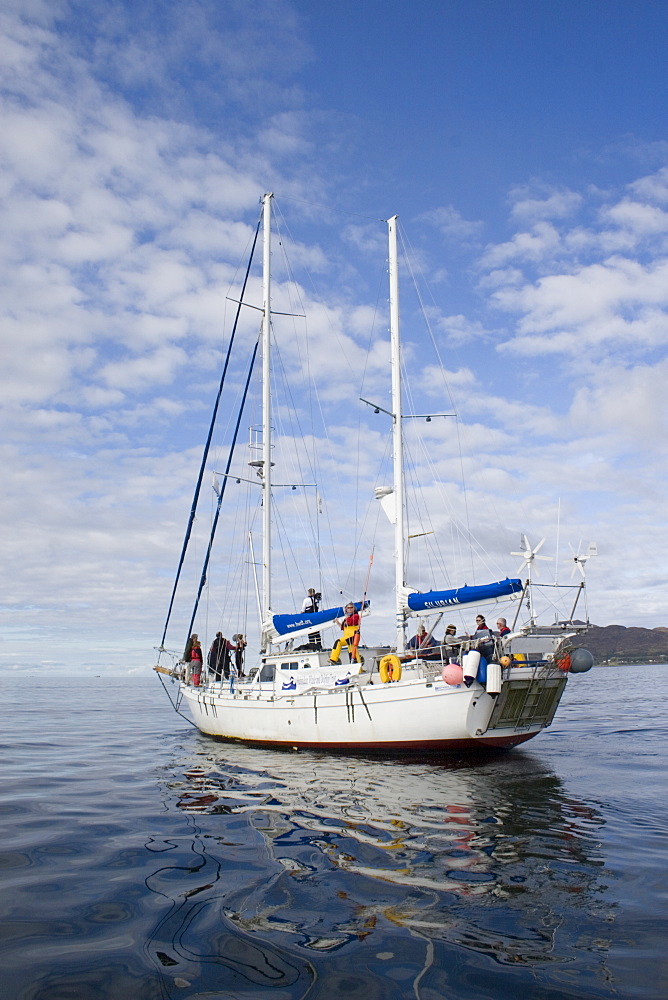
column 406, row 717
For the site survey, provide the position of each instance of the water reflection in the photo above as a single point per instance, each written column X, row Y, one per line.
column 300, row 857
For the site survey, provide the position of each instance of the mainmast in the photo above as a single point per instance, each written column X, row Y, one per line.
column 266, row 415
column 397, row 440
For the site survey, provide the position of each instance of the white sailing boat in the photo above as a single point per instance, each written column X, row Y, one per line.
column 478, row 691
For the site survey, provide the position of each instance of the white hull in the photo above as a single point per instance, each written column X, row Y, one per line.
column 417, row 713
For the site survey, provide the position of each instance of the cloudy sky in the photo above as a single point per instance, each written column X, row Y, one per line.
column 524, row 147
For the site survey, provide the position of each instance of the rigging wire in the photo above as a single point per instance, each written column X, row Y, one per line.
column 302, row 470
column 408, row 257
column 205, row 567
column 468, row 537
column 343, row 342
column 226, row 598
column 463, row 530
column 372, row 513
column 314, row 400
column 193, row 508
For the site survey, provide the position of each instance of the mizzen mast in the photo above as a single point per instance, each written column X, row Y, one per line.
column 266, row 415
column 397, row 438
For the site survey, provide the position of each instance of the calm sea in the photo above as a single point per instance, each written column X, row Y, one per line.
column 143, row 860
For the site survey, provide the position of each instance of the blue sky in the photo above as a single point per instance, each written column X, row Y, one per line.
column 524, row 146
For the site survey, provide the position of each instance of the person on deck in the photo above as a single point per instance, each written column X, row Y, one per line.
column 451, row 645
column 350, row 637
column 187, row 656
column 423, row 642
column 309, row 607
column 482, row 629
column 239, row 647
column 219, row 657
column 484, row 636
column 502, row 626
column 196, row 660
column 189, row 648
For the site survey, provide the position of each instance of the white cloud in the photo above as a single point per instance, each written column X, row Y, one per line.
column 640, row 218
column 451, row 223
column 630, row 401
column 654, row 187
column 618, row 300
column 552, row 205
column 571, row 296
column 460, row 329
column 157, row 368
column 542, row 242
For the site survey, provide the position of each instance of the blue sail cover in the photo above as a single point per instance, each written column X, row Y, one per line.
column 433, row 599
column 309, row 621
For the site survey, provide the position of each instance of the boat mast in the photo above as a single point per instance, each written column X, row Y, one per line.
column 266, row 416
column 397, row 441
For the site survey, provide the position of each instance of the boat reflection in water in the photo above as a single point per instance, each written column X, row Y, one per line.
column 381, row 869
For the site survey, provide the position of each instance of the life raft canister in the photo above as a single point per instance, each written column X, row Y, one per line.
column 389, row 668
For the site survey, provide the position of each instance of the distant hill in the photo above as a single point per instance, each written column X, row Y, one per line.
column 617, row 644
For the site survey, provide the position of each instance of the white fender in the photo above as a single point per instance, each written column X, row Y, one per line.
column 470, row 663
column 493, row 678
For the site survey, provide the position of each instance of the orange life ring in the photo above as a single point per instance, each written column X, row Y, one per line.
column 389, row 668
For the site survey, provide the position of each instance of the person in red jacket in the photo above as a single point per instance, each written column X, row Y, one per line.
column 196, row 662
column 350, row 637
column 502, row 626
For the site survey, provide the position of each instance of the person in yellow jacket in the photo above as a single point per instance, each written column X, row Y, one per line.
column 350, row 637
